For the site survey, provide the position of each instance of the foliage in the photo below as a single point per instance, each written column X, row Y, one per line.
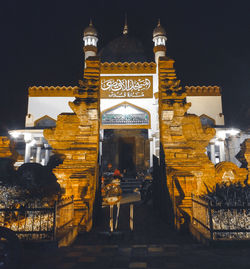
column 7, row 171
column 229, row 194
column 31, row 181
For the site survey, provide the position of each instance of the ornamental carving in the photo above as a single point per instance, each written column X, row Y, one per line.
column 127, row 87
column 203, row 90
column 128, row 68
column 228, row 172
column 51, row 91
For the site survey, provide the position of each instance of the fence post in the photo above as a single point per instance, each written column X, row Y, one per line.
column 54, row 221
column 192, row 208
column 73, row 210
column 111, row 219
column 131, row 217
column 210, row 221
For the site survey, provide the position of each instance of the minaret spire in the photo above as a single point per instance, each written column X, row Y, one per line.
column 90, row 38
column 125, row 29
column 159, row 39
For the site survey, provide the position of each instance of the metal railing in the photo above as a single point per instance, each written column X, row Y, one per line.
column 221, row 222
column 38, row 220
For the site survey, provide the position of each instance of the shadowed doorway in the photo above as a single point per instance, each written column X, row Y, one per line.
column 126, row 149
column 127, row 155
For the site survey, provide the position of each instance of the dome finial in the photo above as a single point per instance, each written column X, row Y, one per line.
column 159, row 30
column 90, row 30
column 125, row 29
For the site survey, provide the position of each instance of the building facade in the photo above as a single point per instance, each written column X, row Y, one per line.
column 129, row 94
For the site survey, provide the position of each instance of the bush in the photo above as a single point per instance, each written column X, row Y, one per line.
column 230, row 194
column 38, row 180
column 7, row 172
column 31, row 181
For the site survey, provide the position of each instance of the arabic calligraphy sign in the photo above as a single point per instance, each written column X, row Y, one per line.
column 127, row 87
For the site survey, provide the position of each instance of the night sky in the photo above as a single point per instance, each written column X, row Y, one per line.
column 41, row 44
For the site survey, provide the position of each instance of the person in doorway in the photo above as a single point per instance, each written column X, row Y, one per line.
column 117, row 174
column 109, row 167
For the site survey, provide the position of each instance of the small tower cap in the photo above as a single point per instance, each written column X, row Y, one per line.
column 125, row 29
column 159, row 30
column 90, row 30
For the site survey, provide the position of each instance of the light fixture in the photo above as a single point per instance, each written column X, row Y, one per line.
column 233, row 131
column 14, row 134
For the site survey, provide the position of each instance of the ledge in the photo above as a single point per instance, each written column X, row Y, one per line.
column 60, row 91
column 203, row 90
column 128, row 68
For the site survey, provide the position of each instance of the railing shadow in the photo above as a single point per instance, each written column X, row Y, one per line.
column 161, row 197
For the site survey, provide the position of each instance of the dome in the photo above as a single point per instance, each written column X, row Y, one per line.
column 159, row 30
column 90, row 30
column 123, row 49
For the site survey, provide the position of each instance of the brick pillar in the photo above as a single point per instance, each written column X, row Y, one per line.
column 183, row 140
column 76, row 137
column 247, row 156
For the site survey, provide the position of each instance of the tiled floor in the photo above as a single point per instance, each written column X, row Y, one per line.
column 141, row 256
column 152, row 245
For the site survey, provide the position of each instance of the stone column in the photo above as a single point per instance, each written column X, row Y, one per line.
column 233, row 149
column 212, row 152
column 154, row 144
column 27, row 152
column 157, row 144
column 100, row 146
column 47, row 153
column 38, row 153
column 151, row 151
column 222, row 151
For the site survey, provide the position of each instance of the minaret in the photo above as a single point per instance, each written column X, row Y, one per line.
column 125, row 29
column 159, row 39
column 90, row 41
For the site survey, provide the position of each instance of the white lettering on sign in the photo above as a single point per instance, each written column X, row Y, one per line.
column 127, row 87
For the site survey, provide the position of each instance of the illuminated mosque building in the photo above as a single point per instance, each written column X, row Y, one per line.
column 129, row 120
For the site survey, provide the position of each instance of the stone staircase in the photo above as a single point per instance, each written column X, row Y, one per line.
column 129, row 184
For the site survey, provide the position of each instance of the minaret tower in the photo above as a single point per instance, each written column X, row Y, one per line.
column 159, row 39
column 90, row 41
column 125, row 29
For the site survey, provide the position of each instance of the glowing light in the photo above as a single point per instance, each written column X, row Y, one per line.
column 33, row 142
column 233, row 132
column 14, row 134
column 222, row 135
column 27, row 137
column 217, row 143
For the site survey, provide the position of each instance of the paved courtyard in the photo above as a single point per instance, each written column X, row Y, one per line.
column 152, row 245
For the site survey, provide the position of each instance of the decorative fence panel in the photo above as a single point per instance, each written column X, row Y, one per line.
column 38, row 220
column 221, row 222
column 64, row 216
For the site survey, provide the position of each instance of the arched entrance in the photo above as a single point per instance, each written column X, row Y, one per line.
column 126, row 149
column 125, row 140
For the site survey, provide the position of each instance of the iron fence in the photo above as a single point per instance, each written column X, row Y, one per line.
column 221, row 222
column 38, row 220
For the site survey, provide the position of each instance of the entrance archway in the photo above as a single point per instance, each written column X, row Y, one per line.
column 125, row 141
column 128, row 150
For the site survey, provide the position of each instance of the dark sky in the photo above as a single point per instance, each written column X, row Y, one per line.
column 41, row 44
